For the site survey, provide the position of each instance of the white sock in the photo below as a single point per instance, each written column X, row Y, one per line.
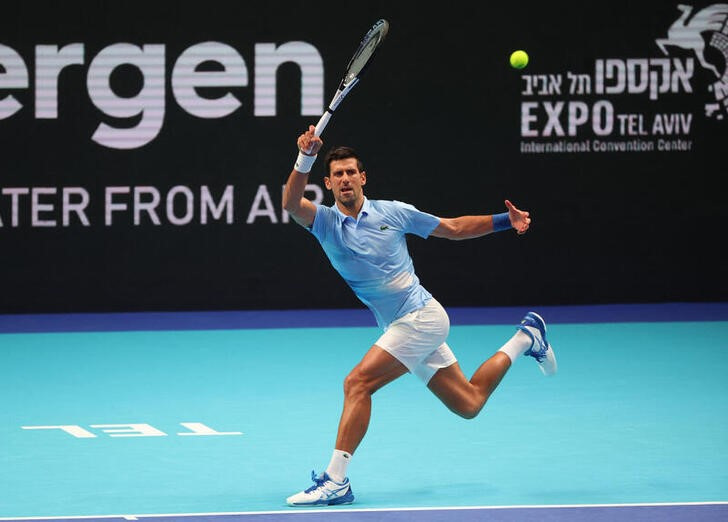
column 516, row 346
column 337, row 466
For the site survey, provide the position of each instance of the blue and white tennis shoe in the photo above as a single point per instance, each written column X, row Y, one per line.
column 534, row 326
column 324, row 492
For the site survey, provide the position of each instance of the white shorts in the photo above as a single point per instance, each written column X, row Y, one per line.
column 417, row 340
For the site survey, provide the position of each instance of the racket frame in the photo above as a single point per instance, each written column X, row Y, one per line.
column 378, row 30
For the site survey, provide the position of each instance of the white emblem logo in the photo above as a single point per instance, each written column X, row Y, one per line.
column 691, row 31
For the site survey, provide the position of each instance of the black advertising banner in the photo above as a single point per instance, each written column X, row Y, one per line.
column 145, row 146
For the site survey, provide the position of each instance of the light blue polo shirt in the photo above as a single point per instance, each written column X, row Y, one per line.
column 371, row 254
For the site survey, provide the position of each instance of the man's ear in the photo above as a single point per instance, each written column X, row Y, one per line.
column 363, row 175
column 327, row 182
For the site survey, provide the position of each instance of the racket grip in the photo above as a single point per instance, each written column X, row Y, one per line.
column 321, row 125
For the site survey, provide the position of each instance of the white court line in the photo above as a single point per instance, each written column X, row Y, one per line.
column 299, row 510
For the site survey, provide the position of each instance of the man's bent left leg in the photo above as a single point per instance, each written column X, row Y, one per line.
column 467, row 398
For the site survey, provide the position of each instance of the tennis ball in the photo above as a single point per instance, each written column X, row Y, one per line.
column 519, row 59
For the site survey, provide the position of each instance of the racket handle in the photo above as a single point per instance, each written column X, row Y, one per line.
column 335, row 101
column 321, row 125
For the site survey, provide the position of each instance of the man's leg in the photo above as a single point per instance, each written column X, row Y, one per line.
column 375, row 370
column 467, row 398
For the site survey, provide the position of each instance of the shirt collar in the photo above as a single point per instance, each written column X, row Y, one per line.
column 365, row 208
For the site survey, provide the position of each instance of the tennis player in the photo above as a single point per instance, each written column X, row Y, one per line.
column 365, row 241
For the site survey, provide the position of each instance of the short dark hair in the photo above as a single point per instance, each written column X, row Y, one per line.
column 340, row 153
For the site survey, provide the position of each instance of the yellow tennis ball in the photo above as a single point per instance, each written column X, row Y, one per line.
column 519, row 59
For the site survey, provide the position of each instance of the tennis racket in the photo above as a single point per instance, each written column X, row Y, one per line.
column 354, row 70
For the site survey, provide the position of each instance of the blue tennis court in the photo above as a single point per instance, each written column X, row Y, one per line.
column 221, row 415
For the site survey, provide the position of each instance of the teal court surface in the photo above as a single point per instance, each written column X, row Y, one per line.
column 222, row 415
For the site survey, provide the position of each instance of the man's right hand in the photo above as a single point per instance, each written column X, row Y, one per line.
column 309, row 143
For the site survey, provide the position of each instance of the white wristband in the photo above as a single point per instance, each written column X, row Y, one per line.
column 304, row 162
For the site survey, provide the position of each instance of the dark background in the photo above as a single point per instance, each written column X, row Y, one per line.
column 437, row 120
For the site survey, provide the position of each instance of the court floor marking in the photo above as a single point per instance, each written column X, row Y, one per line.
column 301, row 511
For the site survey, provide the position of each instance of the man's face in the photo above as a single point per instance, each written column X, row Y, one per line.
column 346, row 181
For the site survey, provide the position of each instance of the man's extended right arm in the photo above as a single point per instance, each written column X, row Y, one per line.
column 301, row 209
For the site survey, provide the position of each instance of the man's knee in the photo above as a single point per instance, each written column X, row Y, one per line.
column 469, row 410
column 357, row 383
